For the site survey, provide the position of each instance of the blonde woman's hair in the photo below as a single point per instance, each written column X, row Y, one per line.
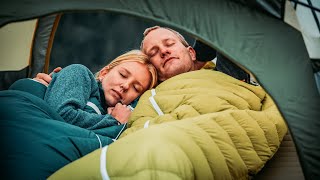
column 148, row 30
column 135, row 56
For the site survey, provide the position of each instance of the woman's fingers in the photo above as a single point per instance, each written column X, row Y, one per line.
column 43, row 78
column 41, row 81
column 57, row 69
column 110, row 109
column 121, row 113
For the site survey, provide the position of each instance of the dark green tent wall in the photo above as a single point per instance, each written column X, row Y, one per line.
column 253, row 36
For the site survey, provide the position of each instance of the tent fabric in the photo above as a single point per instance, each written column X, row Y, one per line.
column 41, row 42
column 95, row 38
column 10, row 9
column 272, row 7
column 272, row 50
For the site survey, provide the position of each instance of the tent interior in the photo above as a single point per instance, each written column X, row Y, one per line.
column 40, row 41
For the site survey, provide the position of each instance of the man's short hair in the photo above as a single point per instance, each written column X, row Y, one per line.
column 148, row 30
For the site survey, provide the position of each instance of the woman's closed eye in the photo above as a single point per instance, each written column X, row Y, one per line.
column 137, row 88
column 122, row 74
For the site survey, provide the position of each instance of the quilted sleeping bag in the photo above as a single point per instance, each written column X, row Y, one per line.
column 197, row 125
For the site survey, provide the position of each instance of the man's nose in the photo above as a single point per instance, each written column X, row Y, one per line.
column 164, row 52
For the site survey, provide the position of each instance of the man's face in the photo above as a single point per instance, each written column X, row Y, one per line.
column 168, row 54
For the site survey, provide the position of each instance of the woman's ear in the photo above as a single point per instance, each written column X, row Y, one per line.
column 192, row 53
column 103, row 72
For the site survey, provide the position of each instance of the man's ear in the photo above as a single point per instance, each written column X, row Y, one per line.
column 192, row 53
column 103, row 72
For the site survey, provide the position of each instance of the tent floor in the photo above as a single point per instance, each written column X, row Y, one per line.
column 284, row 165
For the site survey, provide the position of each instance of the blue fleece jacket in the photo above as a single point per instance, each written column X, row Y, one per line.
column 69, row 93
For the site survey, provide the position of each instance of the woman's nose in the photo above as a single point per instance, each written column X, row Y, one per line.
column 124, row 86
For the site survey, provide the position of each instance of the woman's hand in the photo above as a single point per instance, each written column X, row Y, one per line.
column 120, row 112
column 44, row 78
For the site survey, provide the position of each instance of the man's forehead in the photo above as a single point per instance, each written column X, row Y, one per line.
column 162, row 33
column 158, row 35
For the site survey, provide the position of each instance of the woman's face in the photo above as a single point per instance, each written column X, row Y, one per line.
column 124, row 82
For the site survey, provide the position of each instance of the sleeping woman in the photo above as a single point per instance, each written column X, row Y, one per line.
column 83, row 100
column 96, row 103
column 39, row 137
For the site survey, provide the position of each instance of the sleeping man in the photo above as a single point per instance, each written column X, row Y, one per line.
column 197, row 124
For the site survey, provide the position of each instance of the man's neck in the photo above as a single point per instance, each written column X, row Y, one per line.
column 199, row 64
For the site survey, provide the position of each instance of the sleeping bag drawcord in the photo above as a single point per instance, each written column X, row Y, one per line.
column 103, row 163
column 99, row 140
column 124, row 125
column 154, row 103
column 155, row 106
column 146, row 125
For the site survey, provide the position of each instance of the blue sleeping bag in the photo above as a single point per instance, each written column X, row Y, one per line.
column 36, row 141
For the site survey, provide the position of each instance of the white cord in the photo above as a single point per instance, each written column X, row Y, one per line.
column 154, row 103
column 103, row 164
